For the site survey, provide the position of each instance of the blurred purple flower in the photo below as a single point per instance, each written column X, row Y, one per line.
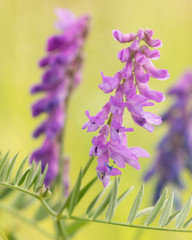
column 62, row 74
column 131, row 92
column 174, row 150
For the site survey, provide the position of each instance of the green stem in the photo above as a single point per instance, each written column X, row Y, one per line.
column 48, row 208
column 16, row 214
column 19, row 189
column 62, row 138
column 127, row 225
column 61, row 230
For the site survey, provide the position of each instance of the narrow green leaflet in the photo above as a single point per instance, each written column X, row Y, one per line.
column 30, row 175
column 183, row 214
column 37, row 178
column 124, row 195
column 86, row 188
column 172, row 217
column 157, row 208
column 188, row 223
column 136, row 205
column 96, row 199
column 113, row 201
column 35, row 175
column 3, row 160
column 143, row 212
column 75, row 194
column 40, row 182
column 19, row 171
column 102, row 206
column 166, row 211
column 22, row 178
column 10, row 168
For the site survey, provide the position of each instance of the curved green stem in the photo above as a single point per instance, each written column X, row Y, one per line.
column 127, row 225
column 48, row 208
column 19, row 189
column 16, row 214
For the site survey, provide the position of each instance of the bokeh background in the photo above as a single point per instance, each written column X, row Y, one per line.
column 24, row 28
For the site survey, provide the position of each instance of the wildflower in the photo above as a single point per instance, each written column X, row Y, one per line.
column 174, row 150
column 132, row 92
column 62, row 74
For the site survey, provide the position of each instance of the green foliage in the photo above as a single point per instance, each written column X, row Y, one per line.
column 29, row 183
column 22, row 181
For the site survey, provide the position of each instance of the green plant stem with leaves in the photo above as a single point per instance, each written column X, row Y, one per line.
column 30, row 182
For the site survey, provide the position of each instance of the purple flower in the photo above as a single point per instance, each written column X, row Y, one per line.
column 62, row 74
column 131, row 91
column 104, row 172
column 174, row 150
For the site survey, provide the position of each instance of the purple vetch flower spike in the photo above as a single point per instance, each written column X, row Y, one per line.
column 174, row 153
column 62, row 67
column 132, row 92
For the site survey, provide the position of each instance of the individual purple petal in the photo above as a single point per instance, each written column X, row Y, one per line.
column 152, row 118
column 124, row 54
column 156, row 43
column 55, row 43
column 148, row 33
column 140, row 75
column 140, row 34
column 152, row 54
column 160, row 74
column 44, row 105
column 44, row 62
column 114, row 172
column 121, row 155
column 135, row 45
column 123, row 38
column 140, row 58
column 139, row 152
column 65, row 18
column 150, row 94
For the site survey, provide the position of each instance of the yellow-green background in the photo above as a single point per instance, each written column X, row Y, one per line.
column 24, row 28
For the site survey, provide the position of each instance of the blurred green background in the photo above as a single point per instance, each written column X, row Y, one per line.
column 24, row 28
